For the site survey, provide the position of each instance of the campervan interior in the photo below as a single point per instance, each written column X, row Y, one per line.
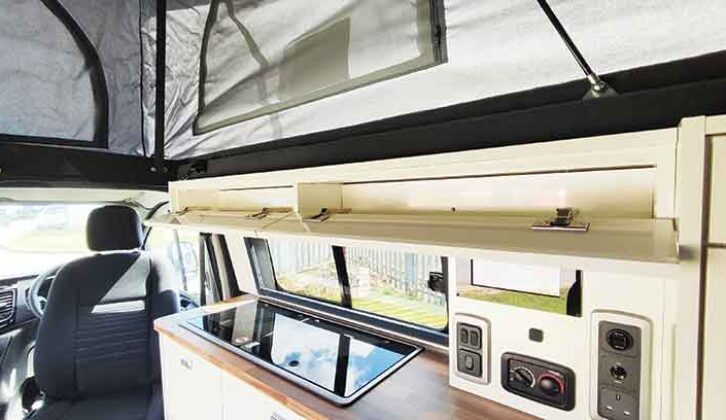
column 379, row 209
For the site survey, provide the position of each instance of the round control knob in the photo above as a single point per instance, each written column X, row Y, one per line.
column 550, row 385
column 619, row 340
column 523, row 376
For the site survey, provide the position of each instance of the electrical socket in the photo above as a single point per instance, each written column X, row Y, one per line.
column 616, row 405
column 620, row 355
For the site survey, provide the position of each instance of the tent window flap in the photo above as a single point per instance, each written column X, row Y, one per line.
column 253, row 64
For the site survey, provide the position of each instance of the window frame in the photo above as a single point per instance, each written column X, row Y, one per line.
column 212, row 260
column 262, row 266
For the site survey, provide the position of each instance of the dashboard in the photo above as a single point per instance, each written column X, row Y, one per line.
column 14, row 309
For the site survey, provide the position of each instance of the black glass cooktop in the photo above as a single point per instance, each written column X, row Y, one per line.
column 334, row 361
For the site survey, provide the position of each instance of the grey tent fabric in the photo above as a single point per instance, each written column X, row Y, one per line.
column 46, row 84
column 112, row 26
column 46, row 88
column 494, row 47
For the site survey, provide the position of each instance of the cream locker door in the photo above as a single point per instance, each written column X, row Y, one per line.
column 192, row 386
column 717, row 234
column 242, row 401
column 714, row 366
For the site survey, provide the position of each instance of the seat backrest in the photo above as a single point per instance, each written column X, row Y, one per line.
column 96, row 335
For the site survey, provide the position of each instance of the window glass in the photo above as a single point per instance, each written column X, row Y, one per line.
column 37, row 237
column 544, row 288
column 305, row 268
column 381, row 282
column 395, row 284
column 181, row 248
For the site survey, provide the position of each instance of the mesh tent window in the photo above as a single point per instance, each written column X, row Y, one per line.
column 252, row 64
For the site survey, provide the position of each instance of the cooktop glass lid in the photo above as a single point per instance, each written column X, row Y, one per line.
column 332, row 360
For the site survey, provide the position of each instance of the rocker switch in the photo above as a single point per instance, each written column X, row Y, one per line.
column 471, row 348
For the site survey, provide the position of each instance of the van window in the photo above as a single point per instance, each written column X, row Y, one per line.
column 305, row 268
column 379, row 282
column 395, row 284
column 181, row 249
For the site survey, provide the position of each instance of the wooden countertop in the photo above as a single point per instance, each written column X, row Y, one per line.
column 419, row 390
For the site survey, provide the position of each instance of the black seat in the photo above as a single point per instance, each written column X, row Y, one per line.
column 96, row 355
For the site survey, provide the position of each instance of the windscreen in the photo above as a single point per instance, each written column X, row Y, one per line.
column 37, row 237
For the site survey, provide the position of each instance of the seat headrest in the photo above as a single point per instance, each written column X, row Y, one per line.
column 111, row 228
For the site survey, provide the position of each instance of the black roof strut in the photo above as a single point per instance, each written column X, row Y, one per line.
column 160, row 103
column 598, row 87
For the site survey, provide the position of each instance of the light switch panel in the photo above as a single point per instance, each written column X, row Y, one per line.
column 471, row 354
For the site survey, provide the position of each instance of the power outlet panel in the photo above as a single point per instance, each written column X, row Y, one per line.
column 472, row 348
column 621, row 349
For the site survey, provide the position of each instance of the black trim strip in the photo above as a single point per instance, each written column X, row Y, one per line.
column 58, row 141
column 141, row 80
column 650, row 97
column 343, row 281
column 160, row 91
column 98, row 78
column 388, row 324
column 37, row 165
column 215, row 282
column 202, row 248
column 229, row 268
column 147, row 229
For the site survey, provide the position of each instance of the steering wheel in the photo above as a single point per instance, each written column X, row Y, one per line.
column 39, row 288
column 38, row 291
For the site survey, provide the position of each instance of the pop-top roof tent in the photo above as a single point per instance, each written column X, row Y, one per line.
column 293, row 84
column 431, row 138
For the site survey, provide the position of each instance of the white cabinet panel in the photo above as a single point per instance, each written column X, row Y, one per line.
column 192, row 386
column 714, row 404
column 718, row 191
column 243, row 401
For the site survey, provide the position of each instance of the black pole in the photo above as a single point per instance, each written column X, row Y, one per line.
column 565, row 37
column 597, row 86
column 160, row 86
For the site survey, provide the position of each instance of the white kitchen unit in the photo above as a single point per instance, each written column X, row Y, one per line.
column 197, row 389
column 628, row 266
column 192, row 386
